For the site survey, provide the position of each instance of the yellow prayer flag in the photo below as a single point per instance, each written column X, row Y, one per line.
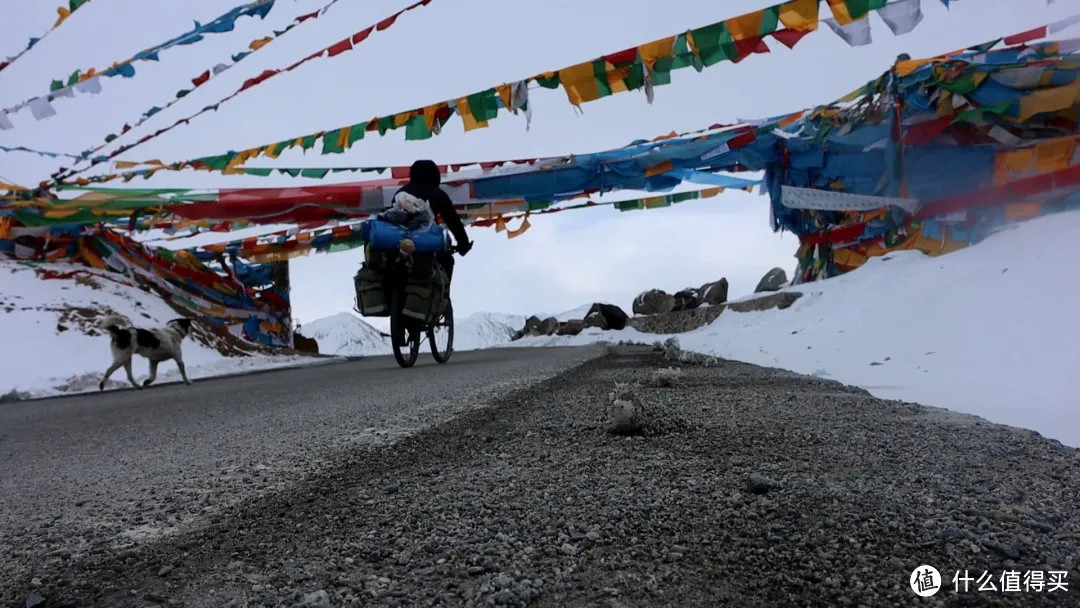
column 800, row 15
column 343, row 137
column 616, row 77
column 63, row 14
column 467, row 117
column 1049, row 100
column 125, row 164
column 506, row 93
column 710, row 192
column 658, row 49
column 841, row 13
column 579, row 81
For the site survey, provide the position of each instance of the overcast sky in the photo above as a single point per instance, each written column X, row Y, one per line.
column 449, row 49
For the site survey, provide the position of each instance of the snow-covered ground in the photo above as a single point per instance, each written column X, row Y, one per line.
column 991, row 330
column 51, row 343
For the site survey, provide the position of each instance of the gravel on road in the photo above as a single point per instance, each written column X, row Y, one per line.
column 772, row 489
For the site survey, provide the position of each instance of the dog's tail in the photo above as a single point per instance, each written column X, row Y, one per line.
column 114, row 323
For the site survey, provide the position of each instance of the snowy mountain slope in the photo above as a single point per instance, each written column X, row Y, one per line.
column 52, row 342
column 990, row 330
column 346, row 334
column 485, row 330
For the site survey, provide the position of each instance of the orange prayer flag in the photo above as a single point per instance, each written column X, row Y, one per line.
column 258, row 44
column 663, row 167
column 1054, row 154
column 525, row 225
column 745, row 26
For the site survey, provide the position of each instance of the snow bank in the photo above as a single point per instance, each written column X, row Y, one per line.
column 990, row 330
column 52, row 343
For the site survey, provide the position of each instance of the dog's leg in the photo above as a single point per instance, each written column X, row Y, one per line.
column 183, row 372
column 153, row 374
column 112, row 368
column 131, row 377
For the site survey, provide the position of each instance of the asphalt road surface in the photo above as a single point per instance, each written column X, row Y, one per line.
column 135, row 465
column 364, row 485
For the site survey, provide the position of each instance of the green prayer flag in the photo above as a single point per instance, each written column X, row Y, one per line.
column 316, row 173
column 770, row 20
column 356, row 132
column 416, row 129
column 386, row 123
column 635, row 79
column 629, row 205
column 986, row 46
column 330, row 142
column 55, row 85
column 975, row 113
column 74, row 78
column 550, row 82
column 714, row 43
column 539, row 205
column 859, row 8
column 308, row 142
column 290, row 172
column 684, row 196
column 484, row 105
column 259, row 172
column 603, row 87
column 218, row 163
column 75, row 4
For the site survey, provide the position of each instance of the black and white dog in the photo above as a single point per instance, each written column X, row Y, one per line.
column 157, row 345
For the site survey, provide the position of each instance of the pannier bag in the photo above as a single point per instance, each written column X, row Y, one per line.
column 425, row 299
column 385, row 236
column 370, row 293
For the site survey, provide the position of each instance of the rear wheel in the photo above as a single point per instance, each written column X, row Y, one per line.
column 406, row 343
column 441, row 335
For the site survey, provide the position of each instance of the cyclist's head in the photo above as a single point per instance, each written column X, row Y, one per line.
column 425, row 173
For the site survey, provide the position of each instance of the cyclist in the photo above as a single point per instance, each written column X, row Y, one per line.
column 424, row 180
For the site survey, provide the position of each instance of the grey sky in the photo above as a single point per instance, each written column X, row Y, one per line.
column 449, row 49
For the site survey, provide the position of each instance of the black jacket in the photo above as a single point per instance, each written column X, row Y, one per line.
column 441, row 206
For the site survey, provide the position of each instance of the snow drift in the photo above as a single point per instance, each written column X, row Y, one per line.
column 990, row 330
column 53, row 342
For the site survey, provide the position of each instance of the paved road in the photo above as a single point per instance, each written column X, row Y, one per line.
column 134, row 465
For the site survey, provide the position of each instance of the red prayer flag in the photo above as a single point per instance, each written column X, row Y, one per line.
column 749, row 46
column 627, row 56
column 1028, row 36
column 359, row 37
column 789, row 37
column 256, row 80
column 201, row 78
column 303, row 18
column 926, row 132
column 340, row 47
column 385, row 23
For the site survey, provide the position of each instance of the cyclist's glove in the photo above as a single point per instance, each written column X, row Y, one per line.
column 464, row 248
